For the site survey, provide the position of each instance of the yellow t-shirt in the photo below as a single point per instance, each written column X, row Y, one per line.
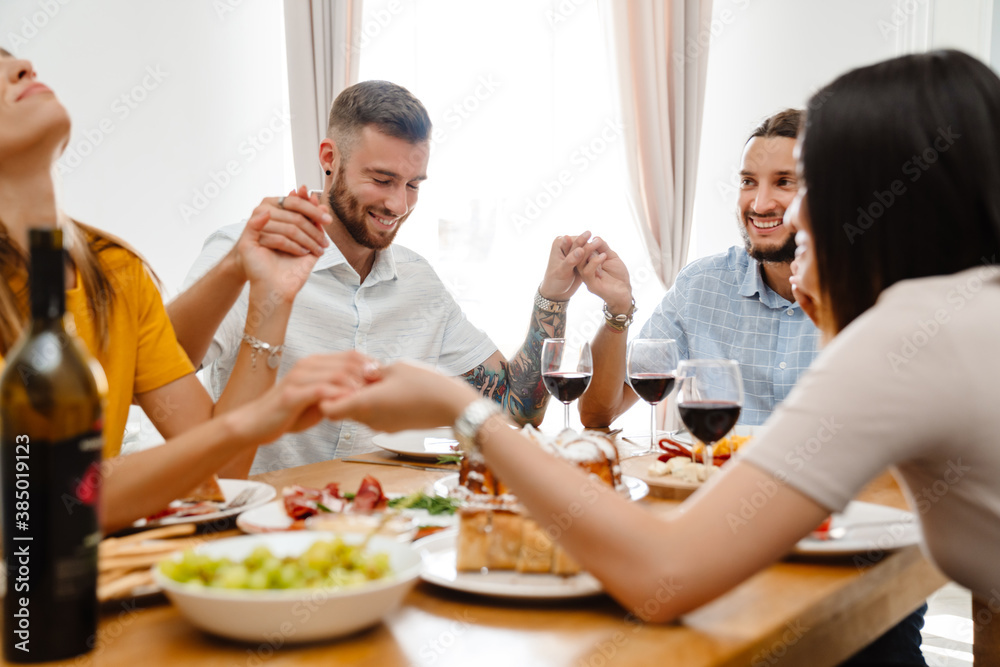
column 142, row 353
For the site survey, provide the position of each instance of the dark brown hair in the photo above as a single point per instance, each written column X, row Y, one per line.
column 389, row 107
column 902, row 164
column 782, row 124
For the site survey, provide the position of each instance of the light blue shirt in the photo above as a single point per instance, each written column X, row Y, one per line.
column 720, row 308
column 402, row 310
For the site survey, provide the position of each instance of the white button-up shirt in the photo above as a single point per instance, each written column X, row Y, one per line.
column 401, row 311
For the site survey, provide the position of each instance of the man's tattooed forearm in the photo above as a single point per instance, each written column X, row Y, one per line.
column 517, row 384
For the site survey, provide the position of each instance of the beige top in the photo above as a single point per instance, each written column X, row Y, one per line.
column 913, row 383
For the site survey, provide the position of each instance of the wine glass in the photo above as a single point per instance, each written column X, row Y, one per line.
column 566, row 371
column 709, row 399
column 650, row 367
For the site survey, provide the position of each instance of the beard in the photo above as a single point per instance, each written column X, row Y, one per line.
column 354, row 216
column 783, row 254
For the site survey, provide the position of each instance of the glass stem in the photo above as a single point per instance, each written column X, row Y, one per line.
column 652, row 428
column 566, row 417
column 708, row 454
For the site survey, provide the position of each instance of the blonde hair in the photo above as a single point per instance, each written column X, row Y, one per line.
column 84, row 244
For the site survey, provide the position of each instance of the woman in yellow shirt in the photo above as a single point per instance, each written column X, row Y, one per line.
column 119, row 315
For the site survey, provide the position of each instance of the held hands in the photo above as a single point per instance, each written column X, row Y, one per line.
column 293, row 403
column 280, row 244
column 403, row 396
column 605, row 275
column 561, row 278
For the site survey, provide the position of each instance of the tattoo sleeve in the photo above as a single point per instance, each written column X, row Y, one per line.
column 516, row 384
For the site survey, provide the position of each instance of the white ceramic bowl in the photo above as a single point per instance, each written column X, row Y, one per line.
column 293, row 615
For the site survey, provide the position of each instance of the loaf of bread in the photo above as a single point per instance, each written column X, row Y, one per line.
column 494, row 531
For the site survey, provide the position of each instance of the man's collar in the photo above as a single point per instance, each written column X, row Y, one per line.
column 753, row 285
column 383, row 269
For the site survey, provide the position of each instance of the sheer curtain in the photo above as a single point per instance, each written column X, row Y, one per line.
column 323, row 41
column 660, row 49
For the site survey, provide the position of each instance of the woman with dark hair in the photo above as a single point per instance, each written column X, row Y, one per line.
column 117, row 312
column 907, row 153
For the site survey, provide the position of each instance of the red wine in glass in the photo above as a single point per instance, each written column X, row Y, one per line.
column 652, row 387
column 566, row 371
column 709, row 421
column 650, row 366
column 709, row 399
column 566, row 386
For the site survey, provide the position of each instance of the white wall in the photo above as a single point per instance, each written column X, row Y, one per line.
column 774, row 54
column 153, row 143
column 163, row 96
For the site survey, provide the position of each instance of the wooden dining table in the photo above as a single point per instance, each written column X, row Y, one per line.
column 796, row 612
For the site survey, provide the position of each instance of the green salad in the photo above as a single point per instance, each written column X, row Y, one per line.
column 326, row 564
column 421, row 501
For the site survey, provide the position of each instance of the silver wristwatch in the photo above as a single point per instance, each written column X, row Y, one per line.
column 469, row 423
column 549, row 306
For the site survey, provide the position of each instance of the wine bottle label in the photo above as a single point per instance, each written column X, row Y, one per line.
column 50, row 500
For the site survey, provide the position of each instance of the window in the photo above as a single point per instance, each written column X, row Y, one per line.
column 527, row 146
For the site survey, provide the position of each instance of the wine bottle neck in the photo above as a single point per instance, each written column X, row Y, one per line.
column 47, row 277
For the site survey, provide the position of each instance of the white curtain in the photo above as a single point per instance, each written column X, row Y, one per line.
column 660, row 48
column 323, row 43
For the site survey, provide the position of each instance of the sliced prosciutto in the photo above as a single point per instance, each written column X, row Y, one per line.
column 369, row 496
column 301, row 501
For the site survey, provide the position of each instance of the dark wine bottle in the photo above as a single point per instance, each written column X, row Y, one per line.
column 50, row 456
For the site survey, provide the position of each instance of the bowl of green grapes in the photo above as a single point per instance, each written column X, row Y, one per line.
column 289, row 587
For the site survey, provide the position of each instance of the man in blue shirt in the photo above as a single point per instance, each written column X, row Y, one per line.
column 734, row 305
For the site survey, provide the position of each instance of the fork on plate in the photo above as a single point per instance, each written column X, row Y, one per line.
column 244, row 497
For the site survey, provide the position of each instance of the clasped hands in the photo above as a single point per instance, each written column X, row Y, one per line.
column 584, row 260
column 351, row 385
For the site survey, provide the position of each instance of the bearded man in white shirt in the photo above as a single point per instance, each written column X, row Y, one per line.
column 368, row 294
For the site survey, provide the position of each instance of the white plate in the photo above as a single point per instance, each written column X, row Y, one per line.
column 268, row 518
column 423, row 444
column 884, row 529
column 272, row 518
column 637, row 489
column 438, row 554
column 230, row 489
